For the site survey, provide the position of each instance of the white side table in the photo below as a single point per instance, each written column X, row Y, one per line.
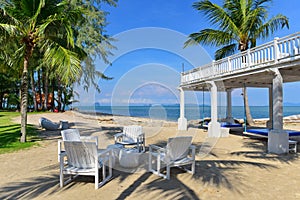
column 115, row 151
column 129, row 158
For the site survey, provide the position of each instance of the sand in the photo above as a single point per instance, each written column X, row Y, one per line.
column 237, row 167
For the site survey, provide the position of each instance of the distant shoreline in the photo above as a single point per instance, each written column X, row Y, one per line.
column 171, row 113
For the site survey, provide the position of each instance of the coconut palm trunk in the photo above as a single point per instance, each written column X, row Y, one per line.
column 24, row 98
column 249, row 119
column 33, row 90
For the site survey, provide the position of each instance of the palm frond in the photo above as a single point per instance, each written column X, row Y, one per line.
column 9, row 29
column 66, row 63
column 268, row 28
column 261, row 4
column 216, row 15
column 209, row 37
column 225, row 51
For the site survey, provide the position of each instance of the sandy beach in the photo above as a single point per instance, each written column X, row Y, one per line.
column 237, row 167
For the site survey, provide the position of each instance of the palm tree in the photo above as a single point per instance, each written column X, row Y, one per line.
column 27, row 24
column 240, row 23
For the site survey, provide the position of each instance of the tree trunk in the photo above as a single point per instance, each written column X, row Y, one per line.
column 59, row 94
column 46, row 91
column 33, row 91
column 1, row 100
column 243, row 46
column 53, row 99
column 64, row 99
column 24, row 99
column 40, row 90
column 249, row 119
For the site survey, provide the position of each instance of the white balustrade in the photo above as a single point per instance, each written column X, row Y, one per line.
column 279, row 50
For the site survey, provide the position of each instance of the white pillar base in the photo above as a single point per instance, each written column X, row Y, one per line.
column 214, row 129
column 278, row 142
column 182, row 124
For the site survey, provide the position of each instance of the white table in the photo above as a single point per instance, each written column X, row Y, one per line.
column 115, row 151
column 129, row 158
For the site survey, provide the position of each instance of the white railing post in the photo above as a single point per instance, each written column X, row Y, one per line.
column 214, row 70
column 229, row 64
column 248, row 59
column 276, row 50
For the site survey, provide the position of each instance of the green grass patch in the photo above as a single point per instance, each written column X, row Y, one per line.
column 10, row 134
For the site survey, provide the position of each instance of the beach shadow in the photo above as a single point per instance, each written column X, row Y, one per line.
column 49, row 135
column 110, row 131
column 260, row 145
column 213, row 171
column 207, row 172
column 29, row 189
column 286, row 158
column 170, row 189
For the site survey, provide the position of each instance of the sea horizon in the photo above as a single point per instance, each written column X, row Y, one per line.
column 192, row 112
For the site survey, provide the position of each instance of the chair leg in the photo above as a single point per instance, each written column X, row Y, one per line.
column 158, row 164
column 150, row 162
column 168, row 172
column 193, row 167
column 97, row 179
column 58, row 149
column 61, row 173
column 61, row 179
column 110, row 165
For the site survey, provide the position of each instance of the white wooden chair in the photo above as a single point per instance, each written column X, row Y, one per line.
column 178, row 153
column 131, row 135
column 73, row 135
column 84, row 159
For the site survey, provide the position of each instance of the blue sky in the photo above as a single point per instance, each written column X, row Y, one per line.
column 146, row 72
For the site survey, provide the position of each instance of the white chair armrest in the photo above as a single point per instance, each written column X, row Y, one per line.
column 105, row 155
column 118, row 136
column 154, row 148
column 104, row 152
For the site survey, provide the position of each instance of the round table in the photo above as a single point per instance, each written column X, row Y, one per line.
column 129, row 158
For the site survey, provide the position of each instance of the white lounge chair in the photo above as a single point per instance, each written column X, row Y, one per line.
column 131, row 135
column 84, row 159
column 74, row 135
column 178, row 152
column 53, row 126
column 48, row 124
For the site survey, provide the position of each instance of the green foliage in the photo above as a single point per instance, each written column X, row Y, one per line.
column 10, row 134
column 239, row 23
column 60, row 34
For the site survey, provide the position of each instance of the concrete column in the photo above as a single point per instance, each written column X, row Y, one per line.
column 277, row 101
column 214, row 127
column 182, row 121
column 229, row 117
column 277, row 137
column 270, row 122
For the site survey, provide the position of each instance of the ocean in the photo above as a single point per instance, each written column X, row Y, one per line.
column 171, row 112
